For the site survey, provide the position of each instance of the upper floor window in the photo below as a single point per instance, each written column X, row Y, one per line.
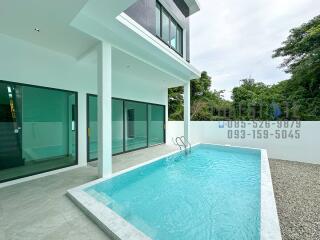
column 168, row 29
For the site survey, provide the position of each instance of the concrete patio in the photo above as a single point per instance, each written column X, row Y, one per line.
column 39, row 209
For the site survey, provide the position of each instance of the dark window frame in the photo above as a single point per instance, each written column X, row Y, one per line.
column 171, row 20
column 76, row 126
column 88, row 125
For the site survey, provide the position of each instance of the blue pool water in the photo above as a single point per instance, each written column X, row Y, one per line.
column 213, row 193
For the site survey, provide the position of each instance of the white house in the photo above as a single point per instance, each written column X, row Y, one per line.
column 87, row 79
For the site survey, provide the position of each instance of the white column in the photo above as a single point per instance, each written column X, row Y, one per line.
column 166, row 116
column 104, row 110
column 186, row 104
column 82, row 129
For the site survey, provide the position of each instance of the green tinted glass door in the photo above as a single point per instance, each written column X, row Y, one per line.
column 10, row 126
column 156, row 116
column 135, row 125
column 117, row 126
column 92, row 127
column 38, row 130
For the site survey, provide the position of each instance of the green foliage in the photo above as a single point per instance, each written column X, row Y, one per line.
column 175, row 109
column 203, row 101
column 301, row 53
column 257, row 101
column 200, row 88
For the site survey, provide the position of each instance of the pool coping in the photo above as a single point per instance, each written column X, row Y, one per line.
column 118, row 228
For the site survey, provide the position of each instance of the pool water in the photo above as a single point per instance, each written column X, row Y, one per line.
column 212, row 193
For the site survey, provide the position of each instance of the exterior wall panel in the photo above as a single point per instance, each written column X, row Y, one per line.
column 144, row 13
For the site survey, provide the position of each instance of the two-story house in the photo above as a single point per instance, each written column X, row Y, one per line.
column 82, row 80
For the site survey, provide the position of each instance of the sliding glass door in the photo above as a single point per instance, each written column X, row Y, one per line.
column 156, row 124
column 10, row 126
column 38, row 130
column 92, row 127
column 135, row 125
column 117, row 126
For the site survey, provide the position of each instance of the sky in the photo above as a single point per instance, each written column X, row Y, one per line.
column 234, row 39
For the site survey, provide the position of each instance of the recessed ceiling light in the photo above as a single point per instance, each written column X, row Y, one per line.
column 37, row 29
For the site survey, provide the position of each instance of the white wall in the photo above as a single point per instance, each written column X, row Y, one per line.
column 303, row 149
column 138, row 89
column 23, row 62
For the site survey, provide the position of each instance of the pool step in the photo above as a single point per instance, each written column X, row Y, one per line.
column 100, row 197
column 122, row 211
column 108, row 202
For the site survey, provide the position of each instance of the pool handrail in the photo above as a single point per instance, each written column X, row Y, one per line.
column 186, row 143
column 183, row 144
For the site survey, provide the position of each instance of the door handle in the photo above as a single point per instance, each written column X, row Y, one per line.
column 17, row 130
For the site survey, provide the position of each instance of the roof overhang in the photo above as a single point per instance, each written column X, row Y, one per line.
column 100, row 20
column 193, row 5
column 105, row 21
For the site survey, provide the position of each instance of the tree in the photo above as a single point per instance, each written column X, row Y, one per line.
column 175, row 109
column 301, row 53
column 201, row 96
column 200, row 88
column 203, row 100
column 257, row 101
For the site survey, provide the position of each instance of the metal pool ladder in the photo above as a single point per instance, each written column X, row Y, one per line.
column 183, row 143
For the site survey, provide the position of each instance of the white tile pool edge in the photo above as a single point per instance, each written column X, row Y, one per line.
column 269, row 225
column 109, row 221
column 118, row 228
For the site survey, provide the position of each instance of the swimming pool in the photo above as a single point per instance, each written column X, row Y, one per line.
column 212, row 193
